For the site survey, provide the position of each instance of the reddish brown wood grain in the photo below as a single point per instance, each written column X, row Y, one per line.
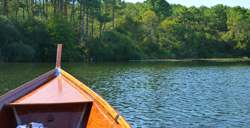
column 100, row 118
column 58, row 90
column 58, row 57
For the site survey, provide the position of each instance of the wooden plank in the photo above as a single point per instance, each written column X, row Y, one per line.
column 59, row 54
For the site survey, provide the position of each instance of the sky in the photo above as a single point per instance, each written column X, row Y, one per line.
column 208, row 3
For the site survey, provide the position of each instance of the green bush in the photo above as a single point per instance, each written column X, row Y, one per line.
column 79, row 54
column 34, row 34
column 8, row 33
column 97, row 51
column 114, row 46
column 15, row 52
column 122, row 46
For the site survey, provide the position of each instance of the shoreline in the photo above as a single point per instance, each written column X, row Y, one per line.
column 245, row 59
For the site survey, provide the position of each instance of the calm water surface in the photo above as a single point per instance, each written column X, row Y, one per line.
column 157, row 94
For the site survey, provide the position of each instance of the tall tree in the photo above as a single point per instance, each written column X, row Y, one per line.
column 46, row 7
column 133, row 28
column 238, row 20
column 103, row 18
column 114, row 7
column 238, row 25
column 218, row 17
column 5, row 8
column 55, row 5
column 61, row 7
column 43, row 7
column 80, row 36
column 150, row 20
column 88, row 4
column 17, row 7
column 72, row 11
column 160, row 7
column 23, row 5
column 96, row 4
column 65, row 13
column 27, row 9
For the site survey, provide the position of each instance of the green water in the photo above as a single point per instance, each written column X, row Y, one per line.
column 157, row 94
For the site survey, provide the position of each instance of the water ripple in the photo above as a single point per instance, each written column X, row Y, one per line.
column 177, row 96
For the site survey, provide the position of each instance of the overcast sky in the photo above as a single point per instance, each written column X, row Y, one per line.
column 208, row 3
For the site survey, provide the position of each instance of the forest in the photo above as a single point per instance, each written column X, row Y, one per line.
column 115, row 30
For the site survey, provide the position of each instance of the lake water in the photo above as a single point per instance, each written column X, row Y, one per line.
column 157, row 94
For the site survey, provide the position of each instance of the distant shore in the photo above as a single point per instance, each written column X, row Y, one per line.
column 201, row 59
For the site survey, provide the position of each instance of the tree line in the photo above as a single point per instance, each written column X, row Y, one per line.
column 115, row 30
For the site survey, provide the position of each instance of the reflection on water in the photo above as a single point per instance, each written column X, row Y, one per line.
column 158, row 94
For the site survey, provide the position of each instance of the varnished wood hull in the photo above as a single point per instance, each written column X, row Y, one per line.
column 81, row 107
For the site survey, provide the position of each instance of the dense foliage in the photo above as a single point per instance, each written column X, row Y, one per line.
column 114, row 30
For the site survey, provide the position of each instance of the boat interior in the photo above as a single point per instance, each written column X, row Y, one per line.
column 58, row 103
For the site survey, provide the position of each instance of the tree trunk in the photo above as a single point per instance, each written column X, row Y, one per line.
column 79, row 41
column 5, row 8
column 54, row 5
column 46, row 9
column 105, row 21
column 27, row 7
column 113, row 18
column 17, row 8
column 100, row 29
column 58, row 8
column 72, row 11
column 87, row 27
column 103, row 26
column 65, row 9
column 93, row 13
column 80, row 19
column 100, row 20
column 40, row 11
column 23, row 13
column 32, row 7
column 43, row 8
column 61, row 7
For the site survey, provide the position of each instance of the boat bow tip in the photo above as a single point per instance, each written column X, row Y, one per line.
column 57, row 72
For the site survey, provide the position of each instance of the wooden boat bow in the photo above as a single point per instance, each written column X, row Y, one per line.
column 57, row 99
